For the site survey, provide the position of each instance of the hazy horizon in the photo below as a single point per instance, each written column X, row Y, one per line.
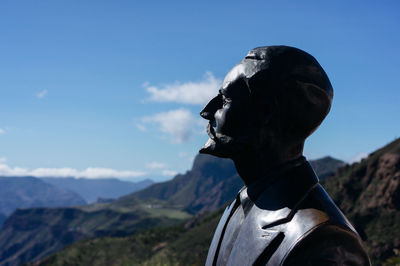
column 97, row 88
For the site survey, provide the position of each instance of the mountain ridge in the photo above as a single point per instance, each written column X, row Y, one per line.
column 93, row 189
column 210, row 184
column 28, row 192
column 368, row 192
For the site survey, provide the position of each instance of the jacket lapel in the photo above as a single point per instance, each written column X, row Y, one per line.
column 267, row 221
column 252, row 233
column 218, row 234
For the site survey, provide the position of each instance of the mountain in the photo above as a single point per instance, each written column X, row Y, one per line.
column 326, row 166
column 29, row 235
column 212, row 182
column 3, row 217
column 93, row 189
column 207, row 186
column 368, row 192
column 28, row 192
column 185, row 244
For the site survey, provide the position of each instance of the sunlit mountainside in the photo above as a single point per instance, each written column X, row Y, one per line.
column 31, row 234
column 367, row 192
column 29, row 192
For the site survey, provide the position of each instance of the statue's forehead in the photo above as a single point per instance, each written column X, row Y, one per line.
column 244, row 69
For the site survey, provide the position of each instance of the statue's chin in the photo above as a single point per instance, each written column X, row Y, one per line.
column 219, row 149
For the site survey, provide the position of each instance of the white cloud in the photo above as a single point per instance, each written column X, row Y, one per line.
column 156, row 165
column 3, row 160
column 91, row 172
column 189, row 92
column 2, row 131
column 141, row 127
column 41, row 94
column 179, row 124
column 169, row 173
column 358, row 157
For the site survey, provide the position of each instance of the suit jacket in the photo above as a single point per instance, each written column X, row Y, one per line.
column 287, row 219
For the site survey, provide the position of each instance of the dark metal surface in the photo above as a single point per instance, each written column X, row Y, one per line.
column 268, row 105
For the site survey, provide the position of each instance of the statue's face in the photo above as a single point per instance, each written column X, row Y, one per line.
column 290, row 96
column 229, row 114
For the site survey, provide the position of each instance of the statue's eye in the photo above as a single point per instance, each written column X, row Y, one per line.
column 225, row 100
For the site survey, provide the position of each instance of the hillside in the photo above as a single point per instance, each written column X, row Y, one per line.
column 3, row 217
column 369, row 194
column 326, row 166
column 178, row 245
column 29, row 235
column 207, row 186
column 93, row 189
column 28, row 192
column 212, row 182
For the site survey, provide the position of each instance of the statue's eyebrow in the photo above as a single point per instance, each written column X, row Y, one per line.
column 223, row 92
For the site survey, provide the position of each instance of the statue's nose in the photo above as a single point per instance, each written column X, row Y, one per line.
column 206, row 115
column 210, row 109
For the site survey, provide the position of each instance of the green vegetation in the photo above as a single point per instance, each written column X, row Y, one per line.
column 31, row 235
column 368, row 193
column 393, row 261
column 176, row 245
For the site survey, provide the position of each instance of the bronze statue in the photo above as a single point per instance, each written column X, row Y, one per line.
column 268, row 105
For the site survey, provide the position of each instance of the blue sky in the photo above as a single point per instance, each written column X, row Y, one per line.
column 91, row 88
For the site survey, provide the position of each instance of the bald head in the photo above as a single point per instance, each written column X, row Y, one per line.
column 288, row 86
column 269, row 103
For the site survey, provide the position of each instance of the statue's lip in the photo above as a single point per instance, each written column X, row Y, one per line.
column 210, row 131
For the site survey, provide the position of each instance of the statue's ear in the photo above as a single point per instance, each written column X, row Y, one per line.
column 316, row 99
column 304, row 108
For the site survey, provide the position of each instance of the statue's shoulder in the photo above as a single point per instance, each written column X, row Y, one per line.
column 317, row 226
column 318, row 200
column 327, row 244
column 312, row 209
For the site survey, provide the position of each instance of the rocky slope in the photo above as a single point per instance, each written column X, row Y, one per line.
column 212, row 182
column 29, row 235
column 207, row 186
column 368, row 192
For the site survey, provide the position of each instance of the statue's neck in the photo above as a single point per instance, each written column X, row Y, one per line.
column 253, row 165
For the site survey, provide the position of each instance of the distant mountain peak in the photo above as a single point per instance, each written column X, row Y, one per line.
column 29, row 191
column 92, row 189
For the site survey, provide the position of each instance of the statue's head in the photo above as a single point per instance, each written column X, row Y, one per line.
column 273, row 99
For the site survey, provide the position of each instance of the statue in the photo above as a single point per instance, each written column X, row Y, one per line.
column 268, row 105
